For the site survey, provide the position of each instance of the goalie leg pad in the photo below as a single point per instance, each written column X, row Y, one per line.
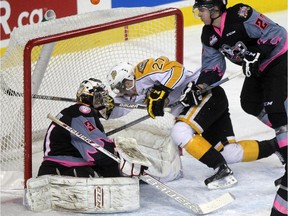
column 38, row 194
column 85, row 195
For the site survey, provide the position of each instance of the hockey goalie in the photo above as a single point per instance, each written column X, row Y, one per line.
column 75, row 176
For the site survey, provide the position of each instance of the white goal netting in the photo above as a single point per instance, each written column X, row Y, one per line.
column 63, row 53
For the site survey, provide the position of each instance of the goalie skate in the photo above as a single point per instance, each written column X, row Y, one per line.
column 223, row 178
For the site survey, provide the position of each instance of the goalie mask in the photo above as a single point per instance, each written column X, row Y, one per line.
column 91, row 92
column 118, row 75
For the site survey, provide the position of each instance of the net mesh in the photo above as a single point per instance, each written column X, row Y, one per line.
column 57, row 68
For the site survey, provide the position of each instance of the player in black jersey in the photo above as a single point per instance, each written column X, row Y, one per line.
column 66, row 154
column 253, row 41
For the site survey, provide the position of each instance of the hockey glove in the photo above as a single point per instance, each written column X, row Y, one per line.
column 131, row 169
column 156, row 100
column 132, row 161
column 250, row 64
column 192, row 94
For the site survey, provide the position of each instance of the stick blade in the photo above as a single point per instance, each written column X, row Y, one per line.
column 217, row 203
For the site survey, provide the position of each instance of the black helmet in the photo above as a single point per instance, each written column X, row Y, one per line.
column 210, row 4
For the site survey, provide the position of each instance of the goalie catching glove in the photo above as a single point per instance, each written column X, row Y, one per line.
column 192, row 95
column 156, row 100
column 132, row 161
column 128, row 168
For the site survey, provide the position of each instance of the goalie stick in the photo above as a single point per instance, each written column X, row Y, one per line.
column 195, row 208
column 143, row 118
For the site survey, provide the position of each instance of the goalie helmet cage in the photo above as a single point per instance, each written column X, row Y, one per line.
column 81, row 46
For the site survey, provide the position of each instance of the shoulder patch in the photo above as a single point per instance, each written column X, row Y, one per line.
column 213, row 39
column 142, row 65
column 84, row 109
column 208, row 36
column 243, row 11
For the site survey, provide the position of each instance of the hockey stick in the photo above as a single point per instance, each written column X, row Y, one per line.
column 136, row 106
column 11, row 92
column 168, row 108
column 143, row 118
column 131, row 105
column 232, row 76
column 195, row 208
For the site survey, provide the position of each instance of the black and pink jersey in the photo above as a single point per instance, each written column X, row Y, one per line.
column 242, row 30
column 69, row 150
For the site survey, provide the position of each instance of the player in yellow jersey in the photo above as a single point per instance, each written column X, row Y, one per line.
column 203, row 126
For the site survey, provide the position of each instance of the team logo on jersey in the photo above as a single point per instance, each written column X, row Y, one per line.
column 243, row 11
column 234, row 53
column 142, row 65
column 84, row 109
column 213, row 40
column 268, row 103
column 89, row 126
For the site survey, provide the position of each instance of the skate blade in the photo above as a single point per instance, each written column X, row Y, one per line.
column 226, row 182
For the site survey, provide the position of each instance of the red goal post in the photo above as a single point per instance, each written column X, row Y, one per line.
column 81, row 47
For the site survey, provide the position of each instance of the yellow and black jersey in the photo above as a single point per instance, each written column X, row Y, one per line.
column 157, row 68
column 162, row 71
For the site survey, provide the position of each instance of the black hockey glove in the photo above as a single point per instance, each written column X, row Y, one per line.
column 250, row 64
column 191, row 95
column 156, row 100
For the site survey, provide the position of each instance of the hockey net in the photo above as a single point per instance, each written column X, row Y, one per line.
column 52, row 58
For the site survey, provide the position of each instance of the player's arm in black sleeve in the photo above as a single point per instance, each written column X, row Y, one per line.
column 213, row 66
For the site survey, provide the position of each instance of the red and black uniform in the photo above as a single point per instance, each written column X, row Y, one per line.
column 66, row 154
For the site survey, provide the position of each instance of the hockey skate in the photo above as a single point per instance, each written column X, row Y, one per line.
column 223, row 178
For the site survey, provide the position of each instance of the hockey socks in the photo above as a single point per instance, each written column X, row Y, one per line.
column 255, row 150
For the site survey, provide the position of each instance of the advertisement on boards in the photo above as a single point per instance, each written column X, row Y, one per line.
column 16, row 13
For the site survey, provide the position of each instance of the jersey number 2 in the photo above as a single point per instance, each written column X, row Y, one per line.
column 158, row 64
column 261, row 23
